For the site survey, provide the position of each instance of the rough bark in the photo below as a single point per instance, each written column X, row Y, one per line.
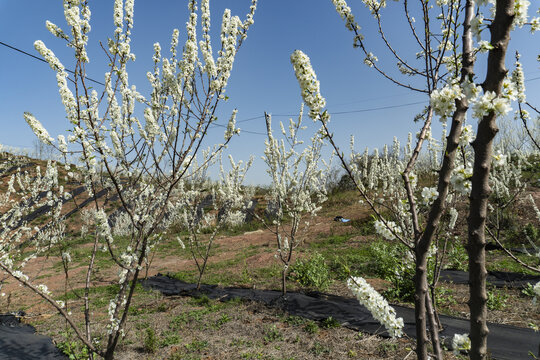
column 483, row 149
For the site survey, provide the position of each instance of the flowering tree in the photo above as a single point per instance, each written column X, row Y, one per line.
column 297, row 189
column 449, row 78
column 142, row 162
column 227, row 199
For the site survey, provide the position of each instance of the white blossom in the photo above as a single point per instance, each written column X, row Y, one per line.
column 443, row 100
column 345, row 12
column 484, row 46
column 520, row 10
column 461, row 342
column 429, row 194
column 38, row 129
column 370, row 59
column 490, row 102
column 453, row 218
column 387, row 229
column 476, row 26
column 376, row 305
column 467, row 135
column 309, row 85
column 460, row 179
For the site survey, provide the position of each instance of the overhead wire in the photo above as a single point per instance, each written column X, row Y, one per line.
column 43, row 60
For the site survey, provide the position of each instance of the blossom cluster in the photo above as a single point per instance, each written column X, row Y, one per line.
column 429, row 194
column 345, row 12
column 443, row 100
column 38, row 129
column 490, row 102
column 461, row 342
column 387, row 229
column 376, row 305
column 461, row 179
column 309, row 85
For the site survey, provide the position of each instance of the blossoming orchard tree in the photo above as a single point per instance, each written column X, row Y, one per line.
column 143, row 162
column 444, row 63
column 297, row 189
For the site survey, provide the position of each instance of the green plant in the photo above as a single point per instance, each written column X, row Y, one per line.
column 444, row 296
column 223, row 319
column 169, row 338
column 386, row 348
column 457, row 256
column 496, row 299
column 150, row 343
column 311, row 327
column 319, row 349
column 197, row 345
column 313, row 272
column 389, row 262
column 294, row 320
column 272, row 334
column 74, row 350
column 330, row 323
column 202, row 300
column 366, row 225
column 528, row 290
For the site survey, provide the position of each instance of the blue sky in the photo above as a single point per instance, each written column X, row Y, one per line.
column 262, row 78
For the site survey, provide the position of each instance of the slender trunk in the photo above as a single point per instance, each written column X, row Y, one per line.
column 437, row 209
column 483, row 149
column 420, row 284
column 433, row 327
column 284, row 281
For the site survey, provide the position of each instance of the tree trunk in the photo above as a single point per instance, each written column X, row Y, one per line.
column 483, row 149
column 437, row 209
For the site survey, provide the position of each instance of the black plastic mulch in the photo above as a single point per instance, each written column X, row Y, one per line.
column 504, row 342
column 495, row 278
column 20, row 341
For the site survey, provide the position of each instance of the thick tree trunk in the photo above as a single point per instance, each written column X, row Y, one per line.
column 487, row 129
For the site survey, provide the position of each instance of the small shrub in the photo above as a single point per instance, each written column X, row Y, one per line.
column 313, row 272
column 73, row 349
column 150, row 343
column 294, row 320
column 444, row 296
column 319, row 349
column 202, row 300
column 389, row 264
column 224, row 318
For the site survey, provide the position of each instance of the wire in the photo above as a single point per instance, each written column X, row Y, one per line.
column 40, row 59
column 242, row 131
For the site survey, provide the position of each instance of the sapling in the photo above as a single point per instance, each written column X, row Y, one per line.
column 297, row 188
column 228, row 198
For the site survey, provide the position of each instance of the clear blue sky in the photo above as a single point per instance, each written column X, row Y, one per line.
column 262, row 78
